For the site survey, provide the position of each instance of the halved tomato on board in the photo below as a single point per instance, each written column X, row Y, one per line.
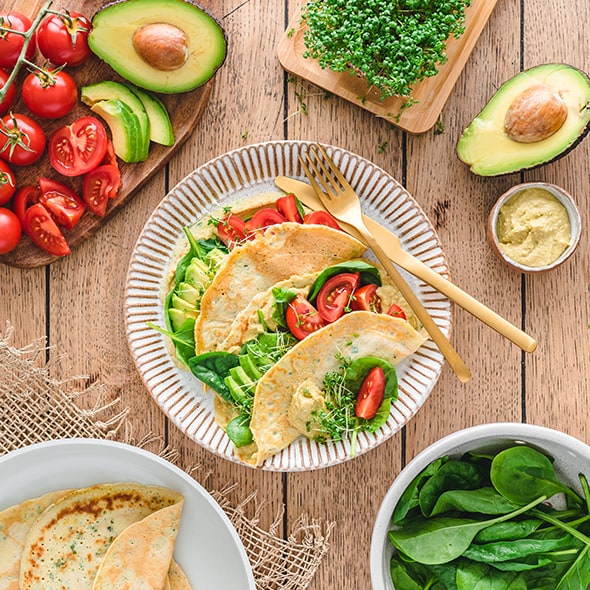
column 321, row 218
column 65, row 206
column 303, row 318
column 25, row 197
column 43, row 231
column 77, row 148
column 100, row 185
column 231, row 230
column 370, row 394
column 366, row 299
column 335, row 296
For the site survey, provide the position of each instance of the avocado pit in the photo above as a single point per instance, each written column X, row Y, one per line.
column 162, row 46
column 536, row 114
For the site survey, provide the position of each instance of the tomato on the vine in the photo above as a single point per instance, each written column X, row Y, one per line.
column 63, row 38
column 25, row 197
column 100, row 185
column 10, row 230
column 303, row 318
column 7, row 183
column 65, row 206
column 11, row 44
column 49, row 94
column 22, row 140
column 43, row 231
column 10, row 95
column 78, row 148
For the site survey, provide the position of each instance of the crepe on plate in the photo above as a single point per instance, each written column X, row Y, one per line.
column 64, row 539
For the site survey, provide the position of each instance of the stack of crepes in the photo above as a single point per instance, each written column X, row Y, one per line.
column 230, row 303
column 114, row 536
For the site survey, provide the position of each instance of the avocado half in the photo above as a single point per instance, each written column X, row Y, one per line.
column 166, row 46
column 534, row 118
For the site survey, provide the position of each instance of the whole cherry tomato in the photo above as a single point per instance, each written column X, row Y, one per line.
column 7, row 183
column 12, row 43
column 79, row 147
column 22, row 140
column 10, row 93
column 63, row 38
column 10, row 230
column 49, row 95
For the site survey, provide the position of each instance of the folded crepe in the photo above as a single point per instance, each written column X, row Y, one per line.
column 356, row 335
column 104, row 529
column 280, row 252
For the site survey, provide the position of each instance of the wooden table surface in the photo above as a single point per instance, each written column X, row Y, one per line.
column 77, row 302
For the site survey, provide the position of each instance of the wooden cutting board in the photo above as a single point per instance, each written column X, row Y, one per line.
column 431, row 93
column 185, row 111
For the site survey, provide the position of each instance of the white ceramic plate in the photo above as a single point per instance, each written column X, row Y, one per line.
column 207, row 547
column 239, row 174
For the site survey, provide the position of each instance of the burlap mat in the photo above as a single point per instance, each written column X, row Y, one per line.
column 35, row 408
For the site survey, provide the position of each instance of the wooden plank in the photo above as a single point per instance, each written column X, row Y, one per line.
column 431, row 93
column 185, row 112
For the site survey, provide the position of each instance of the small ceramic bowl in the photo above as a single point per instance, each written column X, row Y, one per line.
column 571, row 457
column 574, row 218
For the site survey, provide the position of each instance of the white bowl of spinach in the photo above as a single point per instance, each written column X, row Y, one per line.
column 498, row 506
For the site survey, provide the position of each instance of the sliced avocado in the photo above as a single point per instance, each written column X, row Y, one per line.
column 166, row 46
column 109, row 90
column 179, row 316
column 236, row 389
column 196, row 274
column 125, row 127
column 249, row 365
column 189, row 293
column 536, row 117
column 180, row 303
column 161, row 130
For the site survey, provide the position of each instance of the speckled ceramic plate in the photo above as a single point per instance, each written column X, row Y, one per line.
column 239, row 174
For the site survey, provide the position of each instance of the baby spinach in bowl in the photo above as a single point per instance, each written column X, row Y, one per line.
column 500, row 506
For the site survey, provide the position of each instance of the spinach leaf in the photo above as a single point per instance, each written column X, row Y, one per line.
column 238, row 430
column 358, row 369
column 183, row 338
column 508, row 531
column 409, row 500
column 454, row 474
column 444, row 538
column 484, row 500
column 522, row 473
column 282, row 298
column 212, row 368
column 368, row 272
column 577, row 577
column 478, row 576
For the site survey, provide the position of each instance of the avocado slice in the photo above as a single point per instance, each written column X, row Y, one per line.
column 167, row 46
column 179, row 316
column 196, row 274
column 125, row 127
column 109, row 90
column 161, row 130
column 534, row 118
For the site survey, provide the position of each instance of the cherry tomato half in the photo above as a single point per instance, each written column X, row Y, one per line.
column 10, row 95
column 49, row 95
column 78, row 148
column 25, row 197
column 22, row 140
column 43, row 231
column 10, row 230
column 321, row 218
column 262, row 219
column 12, row 43
column 366, row 299
column 371, row 393
column 63, row 38
column 7, row 183
column 287, row 207
column 231, row 230
column 335, row 296
column 303, row 318
column 65, row 206
column 100, row 185
column 396, row 311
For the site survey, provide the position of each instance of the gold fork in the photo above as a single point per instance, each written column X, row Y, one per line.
column 339, row 198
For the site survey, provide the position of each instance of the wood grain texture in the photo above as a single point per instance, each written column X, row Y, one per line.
column 78, row 300
column 185, row 112
column 431, row 93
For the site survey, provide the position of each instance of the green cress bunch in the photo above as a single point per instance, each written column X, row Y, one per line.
column 393, row 43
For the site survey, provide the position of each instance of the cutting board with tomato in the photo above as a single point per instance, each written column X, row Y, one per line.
column 185, row 112
column 431, row 93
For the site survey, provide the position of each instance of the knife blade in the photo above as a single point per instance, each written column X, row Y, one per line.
column 393, row 248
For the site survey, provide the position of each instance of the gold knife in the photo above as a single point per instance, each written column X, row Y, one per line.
column 392, row 246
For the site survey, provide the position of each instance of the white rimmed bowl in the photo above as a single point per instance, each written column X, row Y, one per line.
column 574, row 218
column 571, row 456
